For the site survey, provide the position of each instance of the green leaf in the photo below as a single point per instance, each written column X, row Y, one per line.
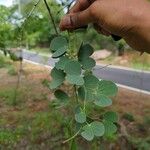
column 103, row 101
column 55, row 83
column 75, row 79
column 61, row 96
column 59, row 43
column 91, row 82
column 107, row 88
column 111, row 116
column 57, row 74
column 59, row 53
column 58, row 78
column 88, row 133
column 62, row 62
column 81, row 93
column 110, row 128
column 73, row 68
column 85, row 51
column 80, row 117
column 98, row 128
column 88, row 63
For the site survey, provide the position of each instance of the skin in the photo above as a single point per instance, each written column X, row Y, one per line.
column 129, row 19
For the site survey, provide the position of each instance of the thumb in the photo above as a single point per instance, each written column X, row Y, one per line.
column 76, row 20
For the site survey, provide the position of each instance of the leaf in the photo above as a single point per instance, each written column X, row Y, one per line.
column 55, row 83
column 91, row 82
column 111, row 116
column 88, row 133
column 85, row 51
column 61, row 96
column 94, row 129
column 59, row 53
column 75, row 79
column 73, row 68
column 58, row 43
column 58, row 78
column 80, row 117
column 98, row 128
column 88, row 63
column 103, row 101
column 62, row 62
column 110, row 128
column 81, row 93
column 107, row 88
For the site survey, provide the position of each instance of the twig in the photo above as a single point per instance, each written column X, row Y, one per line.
column 72, row 137
column 51, row 16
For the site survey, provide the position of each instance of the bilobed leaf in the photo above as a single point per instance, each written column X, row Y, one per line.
column 80, row 117
column 98, row 128
column 61, row 96
column 88, row 133
column 91, row 82
column 57, row 74
column 75, row 79
column 85, row 51
column 111, row 116
column 59, row 53
column 55, row 83
column 110, row 128
column 103, row 101
column 58, row 78
column 73, row 68
column 62, row 62
column 107, row 88
column 88, row 63
column 58, row 43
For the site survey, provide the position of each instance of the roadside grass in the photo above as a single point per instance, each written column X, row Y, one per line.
column 35, row 123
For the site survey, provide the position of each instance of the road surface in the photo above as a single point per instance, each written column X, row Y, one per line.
column 132, row 78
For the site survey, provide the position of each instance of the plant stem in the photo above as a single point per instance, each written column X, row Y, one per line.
column 51, row 16
column 76, row 95
column 72, row 137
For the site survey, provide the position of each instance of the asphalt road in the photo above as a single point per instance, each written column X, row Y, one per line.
column 135, row 79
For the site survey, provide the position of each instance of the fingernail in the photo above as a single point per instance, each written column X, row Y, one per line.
column 66, row 21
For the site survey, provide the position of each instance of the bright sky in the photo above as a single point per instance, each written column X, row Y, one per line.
column 6, row 2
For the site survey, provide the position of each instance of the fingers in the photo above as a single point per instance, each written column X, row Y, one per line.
column 75, row 20
column 80, row 5
column 101, row 30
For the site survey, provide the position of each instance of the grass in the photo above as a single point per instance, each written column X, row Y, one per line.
column 34, row 123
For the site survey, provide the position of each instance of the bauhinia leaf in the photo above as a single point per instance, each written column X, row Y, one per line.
column 103, row 101
column 58, row 43
column 61, row 96
column 110, row 116
column 58, row 78
column 73, row 68
column 85, row 51
column 88, row 63
column 107, row 88
column 75, row 79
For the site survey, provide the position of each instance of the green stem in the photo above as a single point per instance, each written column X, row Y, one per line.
column 76, row 95
column 72, row 137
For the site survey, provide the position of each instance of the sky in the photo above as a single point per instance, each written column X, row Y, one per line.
column 6, row 2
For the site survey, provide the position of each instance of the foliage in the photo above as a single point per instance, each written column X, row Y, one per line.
column 75, row 67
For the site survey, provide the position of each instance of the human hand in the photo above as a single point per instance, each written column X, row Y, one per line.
column 129, row 19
